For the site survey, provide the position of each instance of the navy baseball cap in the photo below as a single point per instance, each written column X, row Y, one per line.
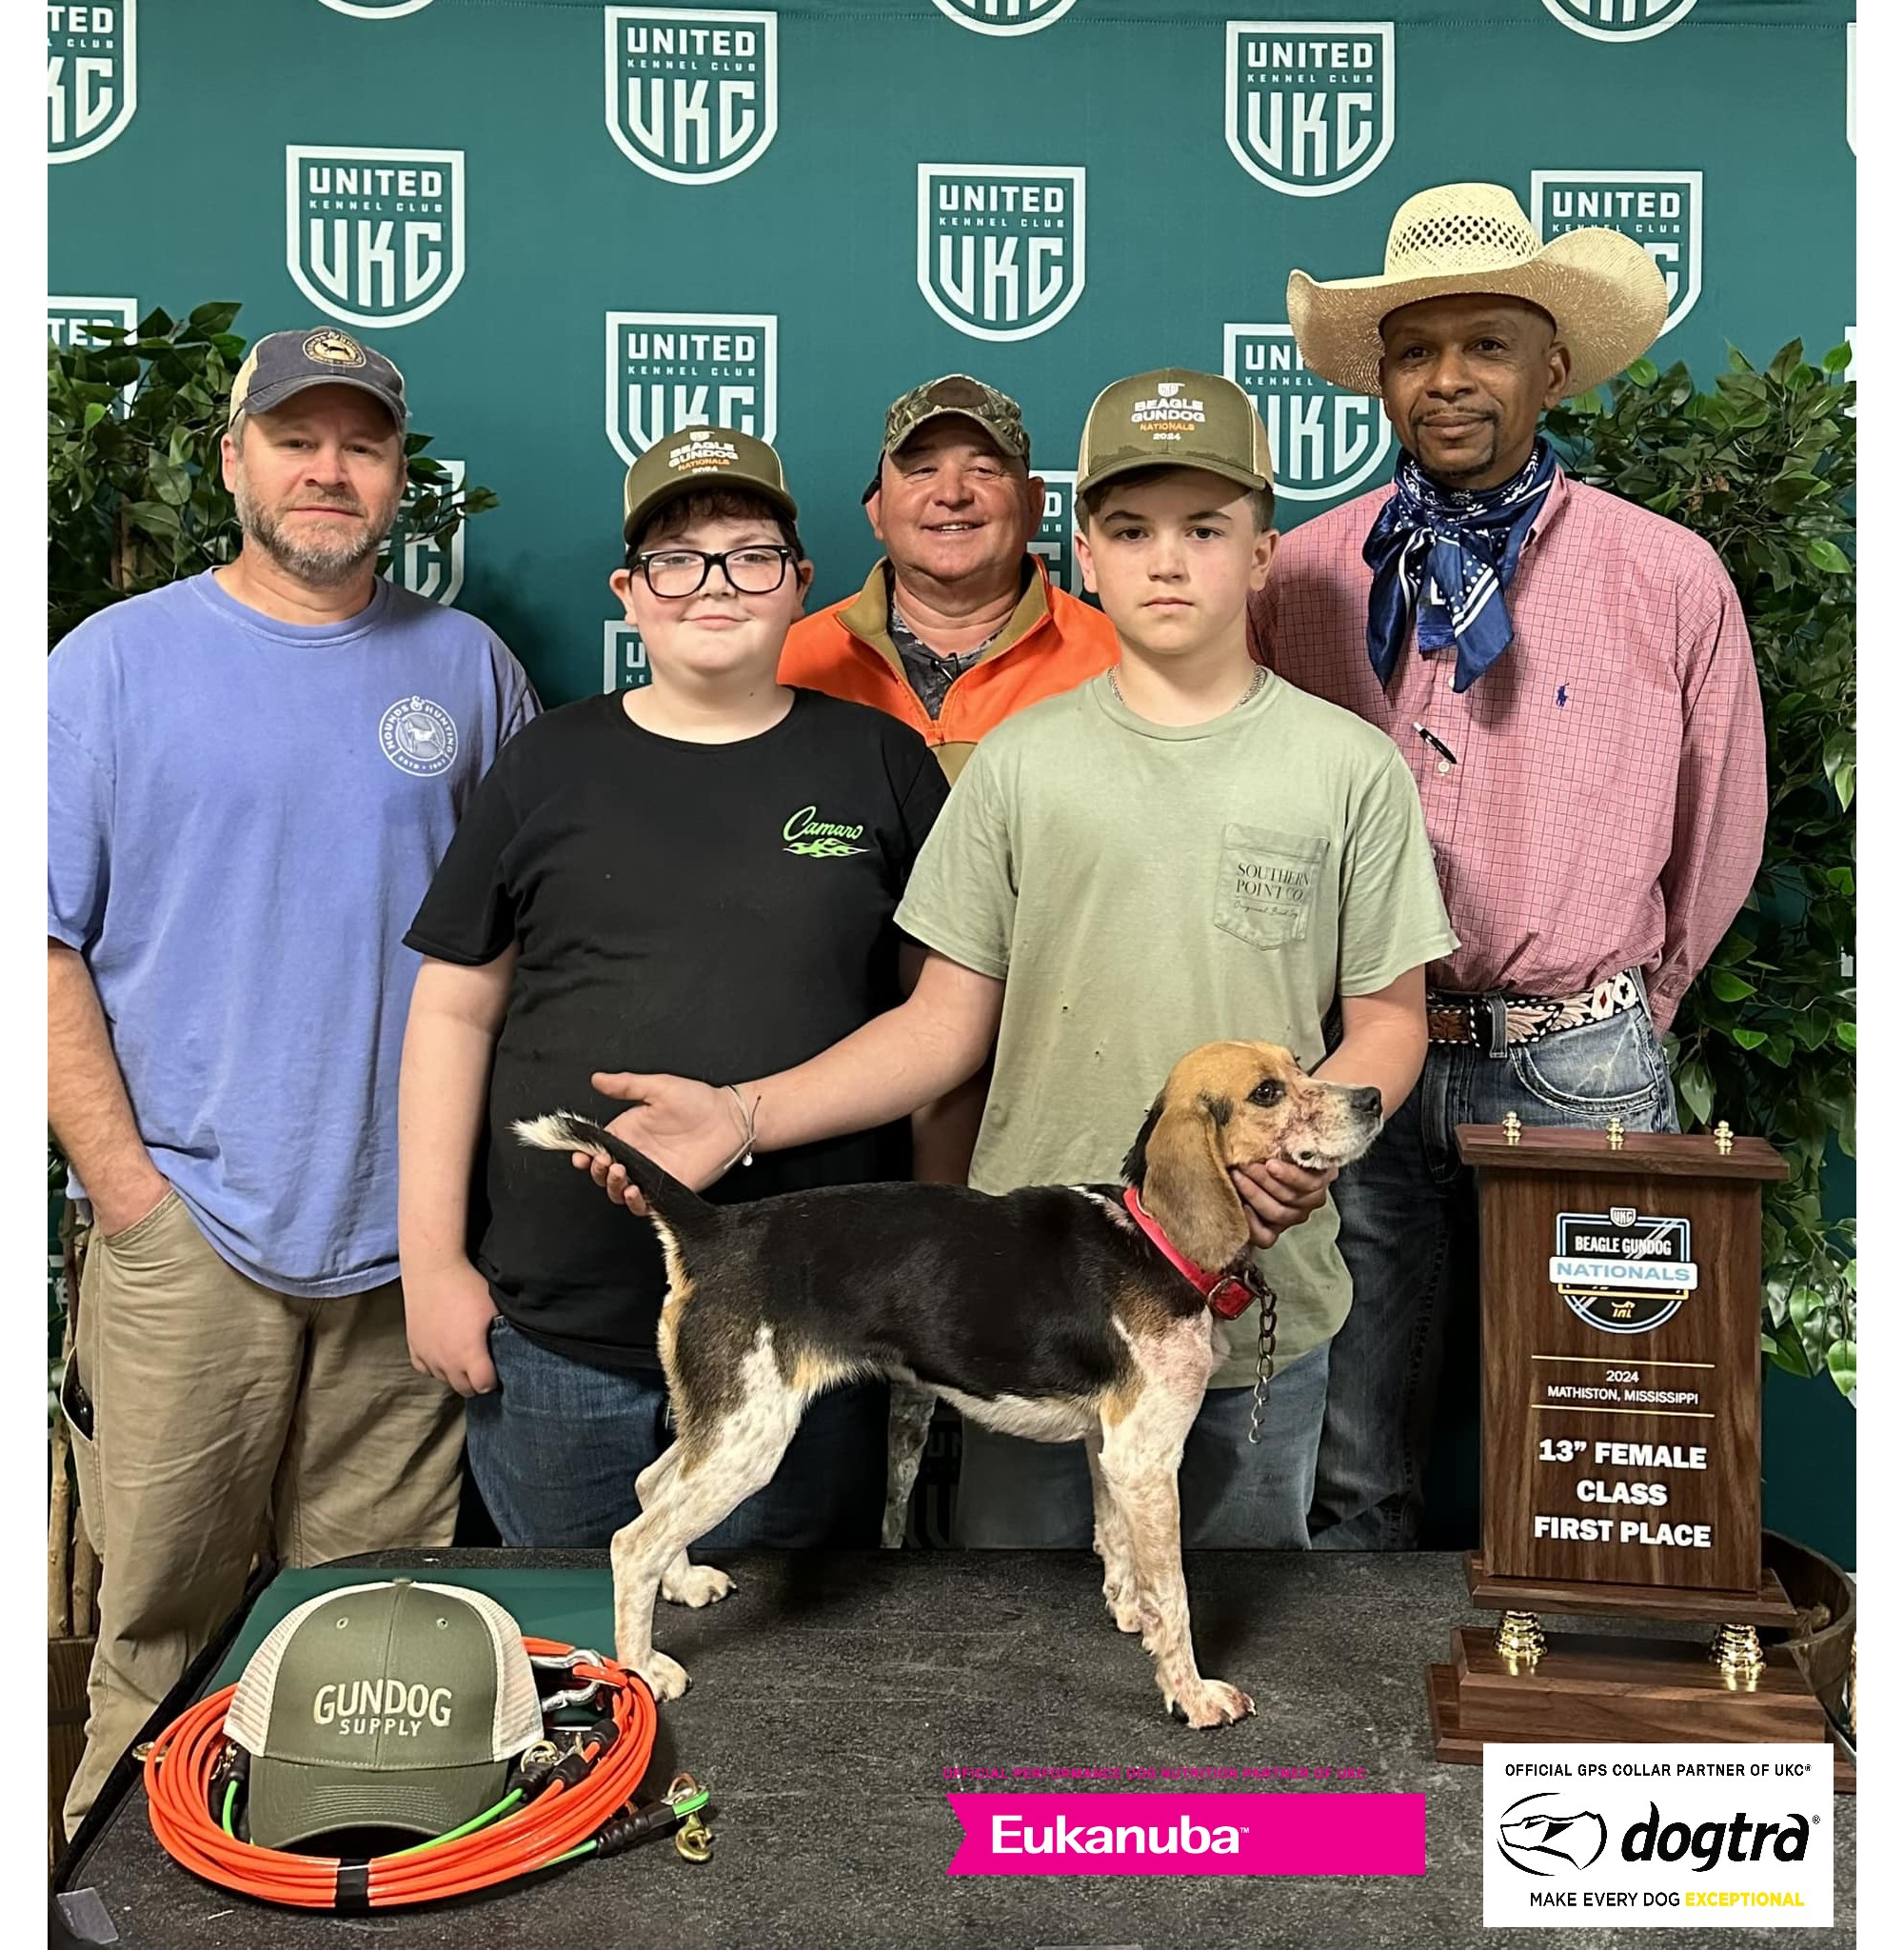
column 284, row 363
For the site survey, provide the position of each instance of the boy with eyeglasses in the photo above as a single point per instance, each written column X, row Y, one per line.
column 698, row 876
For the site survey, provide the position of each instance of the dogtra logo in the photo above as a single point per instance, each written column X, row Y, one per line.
column 1620, row 20
column 92, row 76
column 1052, row 540
column 1000, row 246
column 1310, row 104
column 428, row 566
column 374, row 9
column 670, row 370
column 1661, row 209
column 1550, row 1840
column 374, row 236
column 69, row 323
column 625, row 658
column 1004, row 16
column 692, row 96
column 1326, row 442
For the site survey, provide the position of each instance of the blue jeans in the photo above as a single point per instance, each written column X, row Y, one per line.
column 556, row 1449
column 1409, row 1234
column 1018, row 1495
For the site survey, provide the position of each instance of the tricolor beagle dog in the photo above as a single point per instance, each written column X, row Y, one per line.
column 1062, row 1313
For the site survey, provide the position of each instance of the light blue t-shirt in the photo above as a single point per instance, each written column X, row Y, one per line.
column 243, row 818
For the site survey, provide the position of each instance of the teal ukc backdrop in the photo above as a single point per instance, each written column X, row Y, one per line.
column 578, row 226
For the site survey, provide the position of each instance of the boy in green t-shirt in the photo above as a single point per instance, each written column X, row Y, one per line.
column 1183, row 851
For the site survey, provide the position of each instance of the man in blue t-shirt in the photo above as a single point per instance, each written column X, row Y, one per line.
column 253, row 775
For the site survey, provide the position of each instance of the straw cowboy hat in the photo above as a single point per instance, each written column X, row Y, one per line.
column 1606, row 294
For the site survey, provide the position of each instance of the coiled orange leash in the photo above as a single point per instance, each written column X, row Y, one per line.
column 578, row 1799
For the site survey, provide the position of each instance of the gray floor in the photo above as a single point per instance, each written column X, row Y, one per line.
column 832, row 1692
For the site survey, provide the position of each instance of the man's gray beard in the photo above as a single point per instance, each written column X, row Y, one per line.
column 319, row 567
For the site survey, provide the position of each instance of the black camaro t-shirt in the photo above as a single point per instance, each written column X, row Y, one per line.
column 716, row 911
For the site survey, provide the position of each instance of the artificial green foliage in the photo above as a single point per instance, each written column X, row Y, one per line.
column 134, row 494
column 1764, row 467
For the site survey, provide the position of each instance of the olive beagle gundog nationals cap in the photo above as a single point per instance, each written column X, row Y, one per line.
column 697, row 460
column 284, row 363
column 386, row 1705
column 1174, row 418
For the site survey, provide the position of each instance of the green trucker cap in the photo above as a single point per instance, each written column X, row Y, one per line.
column 388, row 1706
column 1174, row 418
column 698, row 459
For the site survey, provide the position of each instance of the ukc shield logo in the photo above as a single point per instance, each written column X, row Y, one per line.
column 92, row 75
column 427, row 567
column 374, row 236
column 1620, row 20
column 1004, row 16
column 692, row 97
column 625, row 658
column 1000, row 246
column 669, row 369
column 1658, row 209
column 1326, row 442
column 1310, row 104
column 69, row 322
column 1052, row 540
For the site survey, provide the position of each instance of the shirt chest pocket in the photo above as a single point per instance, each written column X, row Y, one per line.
column 1268, row 883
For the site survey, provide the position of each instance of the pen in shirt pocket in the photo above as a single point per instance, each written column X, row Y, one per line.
column 1424, row 731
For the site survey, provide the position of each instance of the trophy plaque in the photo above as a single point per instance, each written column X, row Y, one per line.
column 1619, row 1291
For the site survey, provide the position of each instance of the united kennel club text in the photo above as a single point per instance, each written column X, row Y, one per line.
column 1315, row 119
column 1632, row 1493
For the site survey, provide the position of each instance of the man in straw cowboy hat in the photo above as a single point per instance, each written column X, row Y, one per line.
column 1569, row 678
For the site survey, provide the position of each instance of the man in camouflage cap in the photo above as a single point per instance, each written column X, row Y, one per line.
column 958, row 625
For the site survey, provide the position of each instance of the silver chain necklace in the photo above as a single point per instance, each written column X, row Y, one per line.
column 1256, row 683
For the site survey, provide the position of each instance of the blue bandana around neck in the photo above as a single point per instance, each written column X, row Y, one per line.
column 1453, row 554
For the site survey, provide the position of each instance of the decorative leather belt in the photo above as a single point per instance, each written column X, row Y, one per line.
column 1472, row 1018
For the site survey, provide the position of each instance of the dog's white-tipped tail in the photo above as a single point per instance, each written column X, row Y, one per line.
column 560, row 1130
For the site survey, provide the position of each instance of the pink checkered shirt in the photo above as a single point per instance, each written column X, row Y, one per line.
column 1605, row 807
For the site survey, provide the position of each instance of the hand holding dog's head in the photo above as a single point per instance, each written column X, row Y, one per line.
column 1229, row 1103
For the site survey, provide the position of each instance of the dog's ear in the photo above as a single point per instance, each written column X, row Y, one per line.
column 1135, row 1159
column 1184, row 1183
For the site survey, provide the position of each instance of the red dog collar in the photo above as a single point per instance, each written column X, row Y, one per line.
column 1228, row 1293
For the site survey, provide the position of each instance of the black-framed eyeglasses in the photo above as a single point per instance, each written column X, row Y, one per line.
column 756, row 571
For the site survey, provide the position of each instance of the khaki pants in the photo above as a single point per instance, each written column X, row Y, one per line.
column 226, row 1418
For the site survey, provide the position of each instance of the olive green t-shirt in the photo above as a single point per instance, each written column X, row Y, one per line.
column 1144, row 889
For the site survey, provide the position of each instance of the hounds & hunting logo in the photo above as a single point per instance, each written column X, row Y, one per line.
column 1309, row 104
column 1052, row 540
column 692, row 97
column 92, row 76
column 418, row 737
column 1000, row 246
column 1326, row 443
column 374, row 236
column 670, row 370
column 428, row 566
column 1004, row 16
column 1620, row 20
column 1661, row 209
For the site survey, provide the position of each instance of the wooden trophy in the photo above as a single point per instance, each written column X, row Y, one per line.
column 1619, row 1284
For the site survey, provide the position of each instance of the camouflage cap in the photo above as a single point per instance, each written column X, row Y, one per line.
column 699, row 458
column 996, row 413
column 1174, row 418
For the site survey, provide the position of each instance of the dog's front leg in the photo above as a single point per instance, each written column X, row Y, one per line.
column 1111, row 1541
column 1141, row 1470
